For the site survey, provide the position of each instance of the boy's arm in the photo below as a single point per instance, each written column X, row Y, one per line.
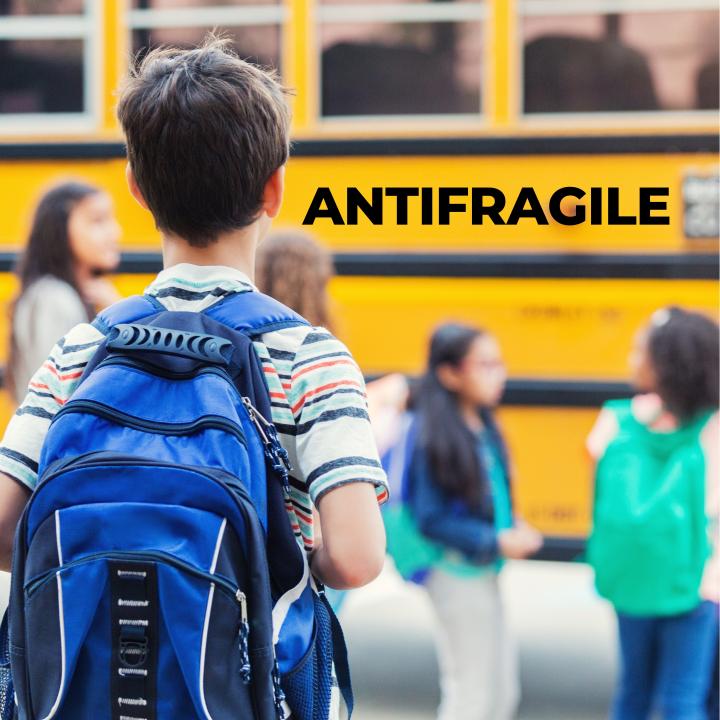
column 337, row 458
column 13, row 498
column 352, row 550
column 49, row 389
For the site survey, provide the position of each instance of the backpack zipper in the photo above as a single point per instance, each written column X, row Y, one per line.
column 33, row 585
column 165, row 428
column 150, row 369
column 274, row 452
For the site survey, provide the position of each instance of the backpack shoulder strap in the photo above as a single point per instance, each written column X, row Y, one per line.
column 397, row 459
column 254, row 313
column 131, row 309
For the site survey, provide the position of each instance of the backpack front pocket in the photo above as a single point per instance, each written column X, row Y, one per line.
column 163, row 654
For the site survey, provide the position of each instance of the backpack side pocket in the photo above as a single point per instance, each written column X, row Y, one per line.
column 7, row 690
column 322, row 677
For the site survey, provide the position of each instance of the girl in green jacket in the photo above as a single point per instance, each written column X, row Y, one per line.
column 655, row 518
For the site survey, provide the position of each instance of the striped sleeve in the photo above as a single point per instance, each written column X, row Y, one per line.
column 334, row 442
column 49, row 389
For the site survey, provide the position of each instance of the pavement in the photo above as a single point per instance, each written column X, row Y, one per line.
column 564, row 632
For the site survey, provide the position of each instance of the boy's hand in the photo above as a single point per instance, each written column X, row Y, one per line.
column 519, row 542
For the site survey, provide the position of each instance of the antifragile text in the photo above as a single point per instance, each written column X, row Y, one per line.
column 567, row 206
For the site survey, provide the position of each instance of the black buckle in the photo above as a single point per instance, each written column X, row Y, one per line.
column 133, row 651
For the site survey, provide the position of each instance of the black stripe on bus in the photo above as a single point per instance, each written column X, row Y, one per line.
column 531, row 392
column 596, row 266
column 680, row 266
column 562, row 393
column 525, row 145
column 62, row 151
column 516, row 145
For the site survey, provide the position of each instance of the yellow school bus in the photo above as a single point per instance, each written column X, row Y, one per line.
column 424, row 98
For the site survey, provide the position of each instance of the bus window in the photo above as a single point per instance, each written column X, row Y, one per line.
column 188, row 4
column 254, row 31
column 46, row 67
column 412, row 58
column 41, row 7
column 576, row 61
column 259, row 44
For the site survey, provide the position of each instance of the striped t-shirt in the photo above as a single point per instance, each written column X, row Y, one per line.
column 316, row 389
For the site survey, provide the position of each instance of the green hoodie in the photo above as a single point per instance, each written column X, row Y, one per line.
column 649, row 540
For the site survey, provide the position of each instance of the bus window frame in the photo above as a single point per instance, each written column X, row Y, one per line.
column 87, row 28
column 275, row 15
column 606, row 120
column 479, row 11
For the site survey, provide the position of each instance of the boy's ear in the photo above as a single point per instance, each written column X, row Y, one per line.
column 133, row 186
column 273, row 193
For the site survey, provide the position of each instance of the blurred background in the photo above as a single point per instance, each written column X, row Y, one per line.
column 453, row 93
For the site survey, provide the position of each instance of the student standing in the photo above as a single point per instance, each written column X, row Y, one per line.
column 208, row 138
column 295, row 269
column 655, row 519
column 460, row 497
column 73, row 241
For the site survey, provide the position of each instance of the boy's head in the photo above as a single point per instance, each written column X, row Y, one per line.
column 205, row 130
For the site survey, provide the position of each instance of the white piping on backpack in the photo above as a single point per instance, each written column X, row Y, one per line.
column 61, row 614
column 208, row 610
column 282, row 606
column 57, row 538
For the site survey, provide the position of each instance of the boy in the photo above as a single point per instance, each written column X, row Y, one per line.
column 207, row 140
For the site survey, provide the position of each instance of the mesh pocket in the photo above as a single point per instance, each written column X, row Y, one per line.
column 7, row 692
column 308, row 687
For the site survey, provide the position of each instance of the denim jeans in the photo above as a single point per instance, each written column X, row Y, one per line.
column 666, row 664
column 713, row 702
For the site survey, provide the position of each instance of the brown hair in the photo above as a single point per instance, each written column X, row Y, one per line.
column 46, row 253
column 294, row 269
column 683, row 349
column 204, row 130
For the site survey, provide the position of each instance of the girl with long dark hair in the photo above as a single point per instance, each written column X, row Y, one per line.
column 73, row 241
column 460, row 496
column 657, row 503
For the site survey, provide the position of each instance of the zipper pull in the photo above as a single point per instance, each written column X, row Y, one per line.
column 243, row 634
column 242, row 601
column 279, row 449
column 254, row 419
column 279, row 693
column 275, row 453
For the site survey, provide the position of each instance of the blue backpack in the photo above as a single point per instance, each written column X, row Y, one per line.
column 155, row 572
column 413, row 554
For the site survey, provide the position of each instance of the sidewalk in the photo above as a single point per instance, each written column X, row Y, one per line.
column 565, row 635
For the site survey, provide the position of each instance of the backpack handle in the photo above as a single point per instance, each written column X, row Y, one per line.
column 191, row 345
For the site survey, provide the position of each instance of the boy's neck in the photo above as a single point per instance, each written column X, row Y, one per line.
column 235, row 250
